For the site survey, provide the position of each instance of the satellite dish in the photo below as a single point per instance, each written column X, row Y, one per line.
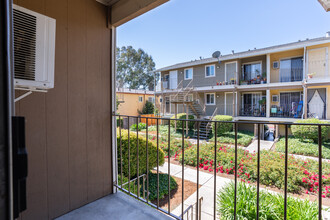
column 217, row 55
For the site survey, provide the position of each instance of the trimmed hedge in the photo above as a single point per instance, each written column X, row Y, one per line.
column 191, row 124
column 152, row 153
column 309, row 131
column 222, row 127
column 141, row 126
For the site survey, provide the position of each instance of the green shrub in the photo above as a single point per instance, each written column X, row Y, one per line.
column 163, row 186
column 141, row 126
column 152, row 153
column 270, row 205
column 120, row 123
column 309, row 131
column 222, row 127
column 148, row 108
column 191, row 124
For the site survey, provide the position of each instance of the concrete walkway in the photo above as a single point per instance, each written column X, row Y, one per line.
column 264, row 145
column 206, row 180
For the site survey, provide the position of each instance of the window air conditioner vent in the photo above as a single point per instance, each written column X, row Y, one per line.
column 34, row 50
column 25, row 27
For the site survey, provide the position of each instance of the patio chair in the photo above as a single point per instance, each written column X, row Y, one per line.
column 299, row 109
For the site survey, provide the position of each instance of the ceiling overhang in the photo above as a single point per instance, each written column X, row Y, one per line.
column 325, row 4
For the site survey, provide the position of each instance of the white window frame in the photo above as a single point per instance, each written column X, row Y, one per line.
column 235, row 70
column 206, row 72
column 206, row 98
column 152, row 99
column 192, row 73
column 141, row 99
column 250, row 63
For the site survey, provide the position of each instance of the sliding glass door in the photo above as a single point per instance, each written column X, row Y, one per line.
column 291, row 70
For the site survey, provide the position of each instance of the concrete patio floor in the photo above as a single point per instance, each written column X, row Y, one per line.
column 117, row 206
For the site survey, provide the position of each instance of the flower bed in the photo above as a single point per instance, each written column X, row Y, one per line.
column 302, row 175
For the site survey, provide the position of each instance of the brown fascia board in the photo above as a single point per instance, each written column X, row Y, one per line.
column 325, row 4
column 125, row 10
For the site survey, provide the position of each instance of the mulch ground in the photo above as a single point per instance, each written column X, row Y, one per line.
column 176, row 194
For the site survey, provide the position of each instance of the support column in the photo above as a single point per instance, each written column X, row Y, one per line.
column 277, row 135
column 268, row 68
column 305, row 102
column 267, row 103
column 233, row 114
column 176, row 114
column 186, row 106
column 238, row 103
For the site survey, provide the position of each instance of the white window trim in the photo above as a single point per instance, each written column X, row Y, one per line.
column 226, row 70
column 254, row 62
column 192, row 75
column 206, row 98
column 141, row 98
column 214, row 71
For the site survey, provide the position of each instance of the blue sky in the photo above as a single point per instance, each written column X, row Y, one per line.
column 183, row 30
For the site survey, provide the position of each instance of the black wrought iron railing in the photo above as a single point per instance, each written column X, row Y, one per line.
column 253, row 110
column 135, row 189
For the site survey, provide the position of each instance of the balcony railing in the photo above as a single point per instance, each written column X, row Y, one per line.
column 250, row 110
column 253, row 81
column 142, row 150
column 293, row 110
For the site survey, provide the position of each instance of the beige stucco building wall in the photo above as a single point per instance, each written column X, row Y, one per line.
column 130, row 104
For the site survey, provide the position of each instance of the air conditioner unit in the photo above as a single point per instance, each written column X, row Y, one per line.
column 275, row 65
column 34, row 50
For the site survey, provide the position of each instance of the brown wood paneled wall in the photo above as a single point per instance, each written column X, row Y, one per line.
column 68, row 128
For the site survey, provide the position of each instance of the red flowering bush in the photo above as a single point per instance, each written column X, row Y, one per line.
column 302, row 175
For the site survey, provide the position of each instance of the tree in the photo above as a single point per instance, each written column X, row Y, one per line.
column 134, row 69
column 148, row 108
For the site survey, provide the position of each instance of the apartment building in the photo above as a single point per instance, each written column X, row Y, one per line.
column 132, row 100
column 280, row 83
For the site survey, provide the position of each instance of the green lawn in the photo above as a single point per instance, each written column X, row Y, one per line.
column 243, row 138
column 306, row 147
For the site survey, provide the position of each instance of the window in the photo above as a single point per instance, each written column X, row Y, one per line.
column 251, row 71
column 151, row 99
column 210, row 98
column 210, row 71
column 140, row 99
column 161, row 100
column 291, row 70
column 188, row 73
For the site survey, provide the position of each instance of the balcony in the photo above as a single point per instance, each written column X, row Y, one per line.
column 293, row 110
column 116, row 206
